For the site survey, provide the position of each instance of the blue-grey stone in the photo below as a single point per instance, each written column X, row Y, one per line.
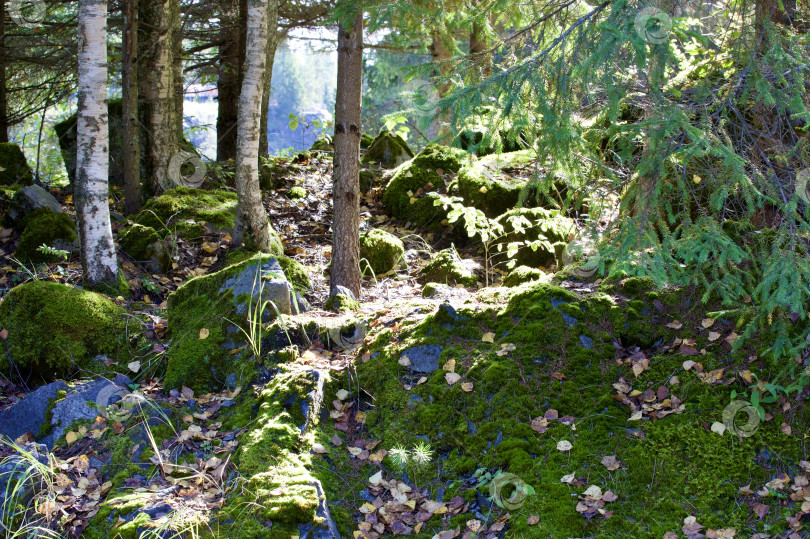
column 586, row 341
column 570, row 321
column 424, row 358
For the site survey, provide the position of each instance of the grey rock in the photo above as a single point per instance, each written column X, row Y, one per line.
column 388, row 150
column 28, row 414
column 30, row 198
column 424, row 358
column 414, row 401
column 275, row 288
column 342, row 290
column 587, row 342
column 85, row 400
column 13, row 469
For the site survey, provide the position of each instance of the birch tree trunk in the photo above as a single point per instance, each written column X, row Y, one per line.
column 92, row 161
column 345, row 177
column 250, row 209
column 273, row 38
column 129, row 82
column 157, row 104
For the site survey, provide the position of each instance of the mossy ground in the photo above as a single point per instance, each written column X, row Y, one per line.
column 446, row 267
column 671, row 468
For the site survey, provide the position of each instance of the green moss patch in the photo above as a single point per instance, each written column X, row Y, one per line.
column 548, row 226
column 380, row 250
column 424, row 172
column 446, row 267
column 44, row 227
column 144, row 244
column 55, row 330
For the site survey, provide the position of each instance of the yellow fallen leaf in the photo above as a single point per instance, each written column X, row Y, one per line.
column 450, row 365
column 452, row 378
column 134, row 366
column 467, row 387
column 204, row 333
column 488, row 337
column 713, row 336
column 71, row 437
column 707, row 323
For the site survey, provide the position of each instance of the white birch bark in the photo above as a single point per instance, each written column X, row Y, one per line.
column 92, row 161
column 247, row 139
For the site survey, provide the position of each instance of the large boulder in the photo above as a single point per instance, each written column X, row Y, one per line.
column 14, row 169
column 388, row 150
column 543, row 235
column 145, row 246
column 380, row 251
column 446, row 267
column 31, row 198
column 44, row 227
column 190, row 213
column 55, row 330
column 424, row 173
column 214, row 317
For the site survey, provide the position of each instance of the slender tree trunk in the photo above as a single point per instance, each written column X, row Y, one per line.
column 273, row 38
column 129, row 81
column 478, row 44
column 92, row 160
column 345, row 178
column 3, row 98
column 781, row 12
column 229, row 80
column 177, row 64
column 250, row 207
column 157, row 103
column 439, row 54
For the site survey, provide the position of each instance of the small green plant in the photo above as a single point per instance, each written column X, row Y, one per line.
column 770, row 392
column 493, row 233
column 51, row 251
column 149, row 286
column 411, row 461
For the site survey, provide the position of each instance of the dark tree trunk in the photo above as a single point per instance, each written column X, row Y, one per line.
column 771, row 11
column 229, row 81
column 3, row 98
column 273, row 39
column 131, row 143
column 345, row 178
column 157, row 104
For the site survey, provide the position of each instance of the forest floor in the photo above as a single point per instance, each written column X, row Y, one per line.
column 575, row 409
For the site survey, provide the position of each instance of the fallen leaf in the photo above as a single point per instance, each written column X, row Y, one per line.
column 342, row 394
column 564, row 445
column 467, row 387
column 488, row 337
column 204, row 333
column 134, row 366
column 452, row 378
column 611, row 463
column 718, row 427
column 533, row 520
column 707, row 323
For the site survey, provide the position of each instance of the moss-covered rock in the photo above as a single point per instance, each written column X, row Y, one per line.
column 447, row 267
column 297, row 192
column 14, row 167
column 208, row 313
column 275, row 458
column 190, row 213
column 423, row 173
column 55, row 330
column 341, row 303
column 380, row 251
column 389, row 150
column 27, row 200
column 485, row 184
column 44, row 227
column 145, row 245
column 366, row 181
column 295, row 272
column 524, row 274
column 546, row 225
